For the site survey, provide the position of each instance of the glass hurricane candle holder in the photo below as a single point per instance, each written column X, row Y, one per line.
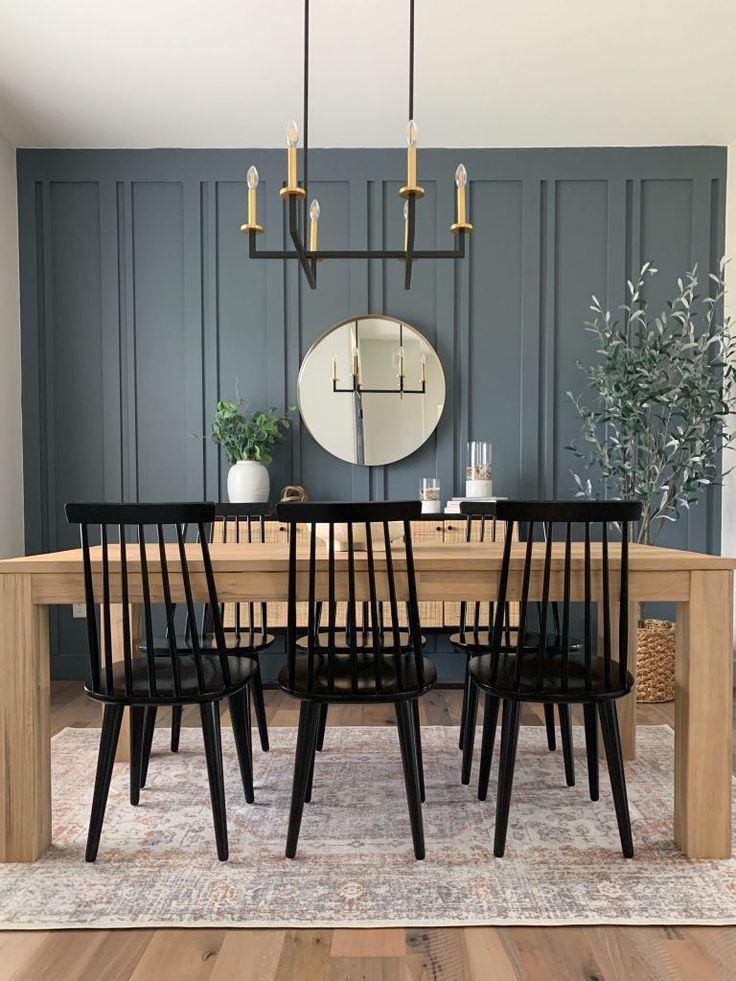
column 429, row 495
column 478, row 482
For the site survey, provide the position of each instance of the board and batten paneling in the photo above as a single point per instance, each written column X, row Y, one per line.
column 140, row 308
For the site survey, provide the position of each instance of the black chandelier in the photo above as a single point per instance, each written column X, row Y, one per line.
column 293, row 193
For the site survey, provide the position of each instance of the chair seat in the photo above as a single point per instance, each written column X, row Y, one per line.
column 395, row 684
column 242, row 642
column 479, row 641
column 552, row 688
column 242, row 669
column 363, row 641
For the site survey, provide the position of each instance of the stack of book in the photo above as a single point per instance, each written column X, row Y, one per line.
column 453, row 505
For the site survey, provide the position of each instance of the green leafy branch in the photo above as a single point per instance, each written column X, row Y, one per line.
column 247, row 435
column 653, row 423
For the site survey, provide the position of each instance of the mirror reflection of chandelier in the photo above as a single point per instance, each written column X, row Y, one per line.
column 398, row 360
column 295, row 197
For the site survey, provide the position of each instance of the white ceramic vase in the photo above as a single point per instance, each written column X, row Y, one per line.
column 248, row 482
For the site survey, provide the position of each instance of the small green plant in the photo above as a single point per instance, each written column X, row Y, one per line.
column 247, row 435
column 654, row 423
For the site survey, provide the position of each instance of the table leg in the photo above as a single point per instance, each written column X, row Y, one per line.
column 703, row 707
column 626, row 707
column 25, row 708
column 116, row 625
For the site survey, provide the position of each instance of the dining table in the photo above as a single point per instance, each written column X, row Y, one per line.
column 700, row 585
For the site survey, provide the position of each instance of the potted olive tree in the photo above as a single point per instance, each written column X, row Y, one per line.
column 654, row 420
column 248, row 439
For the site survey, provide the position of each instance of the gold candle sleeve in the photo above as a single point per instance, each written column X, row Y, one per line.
column 291, row 167
column 252, row 206
column 313, row 235
column 411, row 166
column 461, row 206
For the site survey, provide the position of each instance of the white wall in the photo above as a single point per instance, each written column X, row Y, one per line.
column 11, row 450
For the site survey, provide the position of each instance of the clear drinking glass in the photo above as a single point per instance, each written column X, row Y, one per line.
column 429, row 495
column 478, row 481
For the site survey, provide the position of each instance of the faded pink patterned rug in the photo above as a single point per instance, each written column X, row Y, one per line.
column 157, row 865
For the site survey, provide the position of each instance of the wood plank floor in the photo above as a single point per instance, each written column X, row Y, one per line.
column 481, row 953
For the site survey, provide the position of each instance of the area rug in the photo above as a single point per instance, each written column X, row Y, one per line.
column 157, row 865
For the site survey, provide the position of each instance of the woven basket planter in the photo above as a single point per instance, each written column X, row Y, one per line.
column 655, row 661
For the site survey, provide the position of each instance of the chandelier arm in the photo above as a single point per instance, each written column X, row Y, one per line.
column 309, row 267
column 305, row 114
column 410, row 228
column 310, row 259
column 456, row 253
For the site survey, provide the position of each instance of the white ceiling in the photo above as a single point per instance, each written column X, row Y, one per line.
column 89, row 73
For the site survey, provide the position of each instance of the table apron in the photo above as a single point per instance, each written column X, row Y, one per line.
column 439, row 585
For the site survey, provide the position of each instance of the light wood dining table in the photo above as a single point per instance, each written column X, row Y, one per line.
column 700, row 585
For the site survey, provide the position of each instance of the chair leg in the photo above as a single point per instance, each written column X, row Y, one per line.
column 566, row 734
column 466, row 690
column 259, row 705
column 418, row 742
column 111, row 721
column 149, row 725
column 176, row 713
column 591, row 749
column 322, row 726
column 614, row 756
column 490, row 721
column 317, row 724
column 509, row 742
column 242, row 737
column 304, row 746
column 469, row 734
column 549, row 721
column 210, row 715
column 137, row 719
column 405, row 724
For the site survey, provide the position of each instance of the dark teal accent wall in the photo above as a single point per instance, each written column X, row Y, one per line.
column 140, row 307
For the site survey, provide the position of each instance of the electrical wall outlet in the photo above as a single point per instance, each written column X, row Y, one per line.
column 79, row 611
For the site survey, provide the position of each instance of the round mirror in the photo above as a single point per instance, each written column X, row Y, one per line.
column 371, row 390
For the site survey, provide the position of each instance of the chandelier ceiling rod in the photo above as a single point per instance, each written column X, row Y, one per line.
column 305, row 115
column 292, row 192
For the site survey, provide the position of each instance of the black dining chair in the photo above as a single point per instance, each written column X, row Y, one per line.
column 474, row 637
column 513, row 674
column 155, row 573
column 382, row 672
column 246, row 635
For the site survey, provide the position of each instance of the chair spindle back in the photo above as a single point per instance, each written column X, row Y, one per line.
column 610, row 575
column 137, row 563
column 328, row 576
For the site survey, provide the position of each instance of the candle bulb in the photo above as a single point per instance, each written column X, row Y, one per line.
column 411, row 155
column 406, row 225
column 292, row 138
column 461, row 180
column 314, row 224
column 252, row 180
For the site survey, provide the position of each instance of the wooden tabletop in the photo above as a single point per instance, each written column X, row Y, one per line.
column 469, row 556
